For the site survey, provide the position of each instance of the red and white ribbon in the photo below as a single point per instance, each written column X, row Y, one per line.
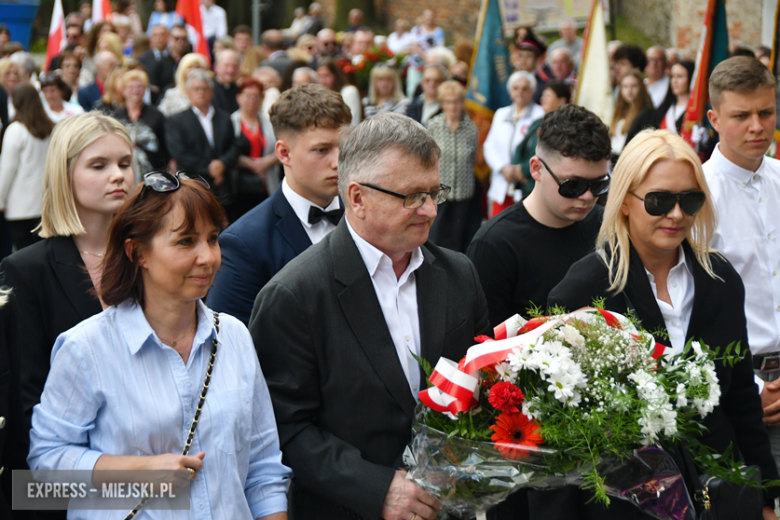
column 453, row 391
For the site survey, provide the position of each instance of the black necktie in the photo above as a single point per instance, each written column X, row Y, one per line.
column 316, row 214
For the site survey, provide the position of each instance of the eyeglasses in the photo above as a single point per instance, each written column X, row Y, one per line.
column 574, row 188
column 164, row 182
column 658, row 203
column 416, row 200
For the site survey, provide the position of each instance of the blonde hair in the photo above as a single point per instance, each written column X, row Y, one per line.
column 113, row 44
column 135, row 75
column 639, row 156
column 69, row 138
column 451, row 88
column 5, row 66
column 184, row 64
column 111, row 94
column 387, row 72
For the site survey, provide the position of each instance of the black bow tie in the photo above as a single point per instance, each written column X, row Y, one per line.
column 316, row 214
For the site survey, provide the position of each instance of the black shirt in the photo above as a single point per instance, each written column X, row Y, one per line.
column 225, row 97
column 520, row 260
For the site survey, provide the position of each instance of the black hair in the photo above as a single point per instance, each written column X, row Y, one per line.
column 560, row 88
column 575, row 132
column 632, row 53
column 4, row 29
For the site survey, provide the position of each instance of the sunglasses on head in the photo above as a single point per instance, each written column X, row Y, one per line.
column 574, row 188
column 164, row 182
column 659, row 203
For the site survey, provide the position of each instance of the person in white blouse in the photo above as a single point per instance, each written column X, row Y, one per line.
column 401, row 41
column 745, row 187
column 214, row 20
column 510, row 125
column 56, row 92
column 331, row 76
column 22, row 163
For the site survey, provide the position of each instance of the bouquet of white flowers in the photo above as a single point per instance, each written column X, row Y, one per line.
column 580, row 398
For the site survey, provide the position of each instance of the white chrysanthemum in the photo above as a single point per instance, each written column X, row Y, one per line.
column 531, row 409
column 505, row 372
column 682, row 399
column 522, row 360
column 561, row 386
column 642, row 379
column 571, row 336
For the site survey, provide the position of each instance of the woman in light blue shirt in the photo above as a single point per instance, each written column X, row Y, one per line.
column 124, row 385
column 164, row 14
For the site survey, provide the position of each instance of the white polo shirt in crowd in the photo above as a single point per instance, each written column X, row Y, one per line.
column 398, row 300
column 301, row 205
column 748, row 235
column 658, row 90
column 677, row 316
column 214, row 21
column 206, row 121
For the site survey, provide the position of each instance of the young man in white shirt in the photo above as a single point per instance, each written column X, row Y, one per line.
column 745, row 187
column 307, row 121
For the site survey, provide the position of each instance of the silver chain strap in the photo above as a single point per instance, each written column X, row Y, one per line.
column 198, row 410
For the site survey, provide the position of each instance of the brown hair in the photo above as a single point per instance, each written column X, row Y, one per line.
column 626, row 110
column 140, row 221
column 341, row 79
column 740, row 74
column 308, row 106
column 30, row 111
column 91, row 38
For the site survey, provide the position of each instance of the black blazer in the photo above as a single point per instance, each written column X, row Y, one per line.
column 51, row 290
column 160, row 72
column 415, row 109
column 254, row 249
column 89, row 95
column 717, row 318
column 188, row 144
column 652, row 117
column 342, row 403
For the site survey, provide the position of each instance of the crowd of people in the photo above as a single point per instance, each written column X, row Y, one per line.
column 329, row 227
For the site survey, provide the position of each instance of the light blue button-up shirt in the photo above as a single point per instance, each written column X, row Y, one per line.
column 114, row 388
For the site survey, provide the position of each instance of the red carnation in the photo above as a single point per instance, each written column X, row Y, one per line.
column 506, row 397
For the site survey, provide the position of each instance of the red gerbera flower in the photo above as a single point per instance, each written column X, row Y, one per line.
column 506, row 397
column 515, row 434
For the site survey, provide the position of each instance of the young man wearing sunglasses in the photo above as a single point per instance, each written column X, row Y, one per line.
column 745, row 188
column 307, row 121
column 525, row 251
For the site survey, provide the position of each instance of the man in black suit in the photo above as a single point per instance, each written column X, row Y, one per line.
column 335, row 329
column 273, row 46
column 202, row 140
column 225, row 88
column 307, row 121
column 158, row 62
column 105, row 62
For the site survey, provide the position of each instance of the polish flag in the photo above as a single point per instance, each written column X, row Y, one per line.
column 101, row 10
column 190, row 11
column 56, row 34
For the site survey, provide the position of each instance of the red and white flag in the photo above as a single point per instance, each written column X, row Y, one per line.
column 56, row 34
column 190, row 11
column 101, row 10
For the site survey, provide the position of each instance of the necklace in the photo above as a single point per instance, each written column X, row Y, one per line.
column 175, row 343
column 99, row 255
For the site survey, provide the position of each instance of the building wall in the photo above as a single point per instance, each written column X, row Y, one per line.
column 652, row 17
column 458, row 18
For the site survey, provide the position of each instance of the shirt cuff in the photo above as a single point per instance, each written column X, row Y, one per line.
column 760, row 383
column 88, row 460
column 269, row 506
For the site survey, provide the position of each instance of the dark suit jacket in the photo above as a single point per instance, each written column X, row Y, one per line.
column 51, row 292
column 89, row 95
column 415, row 109
column 188, row 144
column 342, row 403
column 14, row 435
column 160, row 72
column 280, row 63
column 717, row 319
column 254, row 249
column 225, row 97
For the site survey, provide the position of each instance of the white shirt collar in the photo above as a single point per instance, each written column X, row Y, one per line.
column 732, row 171
column 301, row 205
column 373, row 257
column 208, row 115
column 681, row 263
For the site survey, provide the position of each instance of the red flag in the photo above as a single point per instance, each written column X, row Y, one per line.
column 190, row 11
column 101, row 10
column 713, row 49
column 56, row 34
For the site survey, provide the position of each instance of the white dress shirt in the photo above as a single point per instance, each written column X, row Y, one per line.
column 22, row 164
column 504, row 136
column 301, row 205
column 677, row 316
column 206, row 121
column 658, row 90
column 398, row 300
column 748, row 235
column 214, row 21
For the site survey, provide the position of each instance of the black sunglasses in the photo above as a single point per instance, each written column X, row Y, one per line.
column 164, row 182
column 658, row 203
column 416, row 200
column 574, row 188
